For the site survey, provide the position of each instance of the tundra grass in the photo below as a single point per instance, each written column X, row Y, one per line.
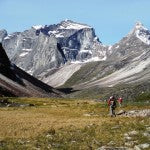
column 67, row 124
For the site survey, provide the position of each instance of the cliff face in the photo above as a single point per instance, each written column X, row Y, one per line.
column 43, row 48
column 16, row 82
column 127, row 63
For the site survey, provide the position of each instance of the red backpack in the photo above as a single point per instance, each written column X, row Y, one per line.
column 109, row 102
column 120, row 100
column 112, row 102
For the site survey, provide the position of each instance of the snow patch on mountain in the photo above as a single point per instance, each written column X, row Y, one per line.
column 23, row 54
column 27, row 49
column 117, row 46
column 60, row 30
column 110, row 47
column 57, row 34
column 96, row 59
column 67, row 24
column 8, row 37
column 37, row 27
column 85, row 51
column 93, row 59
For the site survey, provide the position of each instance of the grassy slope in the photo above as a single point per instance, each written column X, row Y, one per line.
column 138, row 91
column 67, row 124
column 94, row 70
column 87, row 72
column 91, row 71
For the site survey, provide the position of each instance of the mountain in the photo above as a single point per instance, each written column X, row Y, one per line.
column 16, row 82
column 70, row 55
column 126, row 61
column 43, row 48
column 3, row 34
column 126, row 70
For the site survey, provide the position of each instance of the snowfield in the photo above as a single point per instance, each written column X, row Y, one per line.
column 37, row 27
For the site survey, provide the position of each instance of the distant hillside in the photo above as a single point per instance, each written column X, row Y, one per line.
column 16, row 82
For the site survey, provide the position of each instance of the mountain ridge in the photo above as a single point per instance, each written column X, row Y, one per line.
column 54, row 56
column 16, row 82
column 66, row 41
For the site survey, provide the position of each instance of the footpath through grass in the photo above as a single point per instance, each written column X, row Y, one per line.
column 68, row 124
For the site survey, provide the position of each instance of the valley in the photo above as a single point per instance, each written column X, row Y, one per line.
column 81, row 83
column 69, row 55
column 54, row 123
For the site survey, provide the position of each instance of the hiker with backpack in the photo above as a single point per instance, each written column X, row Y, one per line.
column 112, row 105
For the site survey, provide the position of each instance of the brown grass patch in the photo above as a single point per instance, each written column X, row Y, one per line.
column 82, row 121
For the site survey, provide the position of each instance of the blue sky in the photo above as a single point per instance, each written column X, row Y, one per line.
column 111, row 19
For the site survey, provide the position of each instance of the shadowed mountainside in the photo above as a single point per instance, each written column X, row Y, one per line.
column 16, row 82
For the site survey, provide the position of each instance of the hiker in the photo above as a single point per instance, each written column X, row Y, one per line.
column 112, row 106
column 120, row 101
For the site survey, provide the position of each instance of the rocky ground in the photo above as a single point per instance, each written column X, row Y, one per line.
column 135, row 113
column 130, row 136
column 130, row 141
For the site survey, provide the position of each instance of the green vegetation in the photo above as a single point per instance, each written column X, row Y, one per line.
column 143, row 97
column 89, row 71
column 96, row 70
column 93, row 71
column 83, row 74
column 67, row 124
column 135, row 92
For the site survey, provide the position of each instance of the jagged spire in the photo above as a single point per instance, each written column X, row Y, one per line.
column 139, row 25
column 142, row 33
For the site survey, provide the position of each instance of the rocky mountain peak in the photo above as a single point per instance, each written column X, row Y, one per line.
column 138, row 25
column 141, row 33
column 45, row 47
column 65, row 28
column 69, row 24
column 37, row 27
